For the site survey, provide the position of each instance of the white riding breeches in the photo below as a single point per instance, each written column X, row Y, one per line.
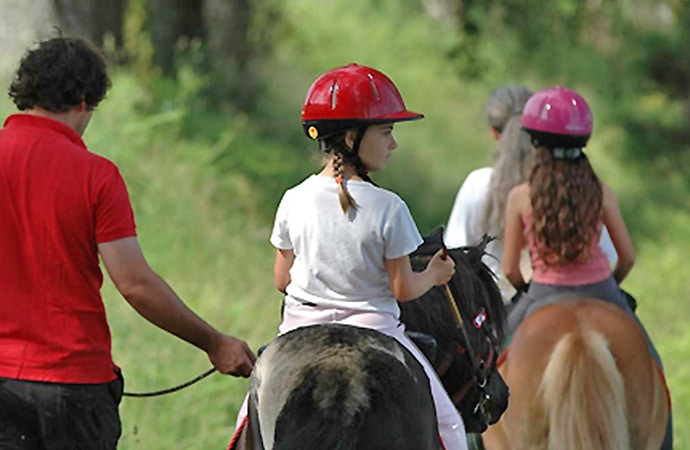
column 450, row 424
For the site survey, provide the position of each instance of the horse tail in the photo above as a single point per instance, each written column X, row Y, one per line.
column 584, row 395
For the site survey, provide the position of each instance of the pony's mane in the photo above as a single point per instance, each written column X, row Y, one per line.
column 473, row 287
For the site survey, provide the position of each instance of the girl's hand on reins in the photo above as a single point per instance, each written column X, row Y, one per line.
column 232, row 356
column 442, row 266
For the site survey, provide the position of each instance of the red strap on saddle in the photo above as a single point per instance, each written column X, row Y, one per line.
column 663, row 380
column 238, row 432
column 502, row 357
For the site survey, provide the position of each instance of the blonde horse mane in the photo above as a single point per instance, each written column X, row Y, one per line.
column 584, row 395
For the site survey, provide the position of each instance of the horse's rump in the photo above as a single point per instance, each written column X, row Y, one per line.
column 581, row 377
column 342, row 387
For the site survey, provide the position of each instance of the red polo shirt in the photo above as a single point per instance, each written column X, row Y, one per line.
column 57, row 201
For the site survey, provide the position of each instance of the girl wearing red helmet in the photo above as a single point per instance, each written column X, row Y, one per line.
column 342, row 242
column 559, row 213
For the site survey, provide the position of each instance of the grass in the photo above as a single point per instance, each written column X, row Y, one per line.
column 214, row 255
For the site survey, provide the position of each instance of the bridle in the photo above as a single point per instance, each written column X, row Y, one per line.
column 477, row 389
column 483, row 366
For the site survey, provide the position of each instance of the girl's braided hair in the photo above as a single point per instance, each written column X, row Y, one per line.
column 342, row 155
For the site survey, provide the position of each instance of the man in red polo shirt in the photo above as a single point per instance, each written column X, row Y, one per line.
column 61, row 207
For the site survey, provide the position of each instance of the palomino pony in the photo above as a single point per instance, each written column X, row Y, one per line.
column 580, row 377
column 343, row 387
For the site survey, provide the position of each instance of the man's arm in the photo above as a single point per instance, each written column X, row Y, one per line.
column 155, row 300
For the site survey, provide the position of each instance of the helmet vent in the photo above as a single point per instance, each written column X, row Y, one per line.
column 334, row 95
column 377, row 97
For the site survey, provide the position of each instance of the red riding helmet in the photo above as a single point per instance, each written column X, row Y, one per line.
column 558, row 117
column 351, row 96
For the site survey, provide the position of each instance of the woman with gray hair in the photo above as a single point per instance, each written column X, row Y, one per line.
column 480, row 204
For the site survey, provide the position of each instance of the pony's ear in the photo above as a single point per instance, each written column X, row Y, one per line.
column 434, row 240
column 432, row 243
column 436, row 233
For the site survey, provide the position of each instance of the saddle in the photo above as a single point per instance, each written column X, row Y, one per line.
column 632, row 302
column 629, row 299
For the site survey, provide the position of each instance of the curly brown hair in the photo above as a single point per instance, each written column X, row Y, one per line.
column 58, row 74
column 566, row 197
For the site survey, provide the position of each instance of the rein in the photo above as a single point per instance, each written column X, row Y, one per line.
column 172, row 389
column 479, row 368
column 451, row 300
column 460, row 394
column 458, row 318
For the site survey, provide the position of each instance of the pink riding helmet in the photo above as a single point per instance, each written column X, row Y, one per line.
column 558, row 117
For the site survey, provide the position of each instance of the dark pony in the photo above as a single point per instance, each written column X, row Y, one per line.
column 338, row 387
column 350, row 388
column 464, row 349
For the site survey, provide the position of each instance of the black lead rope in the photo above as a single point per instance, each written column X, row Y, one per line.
column 172, row 389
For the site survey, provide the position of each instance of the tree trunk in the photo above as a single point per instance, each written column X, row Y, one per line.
column 171, row 22
column 91, row 20
column 230, row 49
column 21, row 25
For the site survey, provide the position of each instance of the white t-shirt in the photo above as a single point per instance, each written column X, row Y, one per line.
column 465, row 224
column 465, row 227
column 339, row 258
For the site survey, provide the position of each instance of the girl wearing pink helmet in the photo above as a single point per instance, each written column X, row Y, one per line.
column 480, row 204
column 559, row 213
column 343, row 243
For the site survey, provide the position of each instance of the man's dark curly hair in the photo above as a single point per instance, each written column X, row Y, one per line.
column 58, row 74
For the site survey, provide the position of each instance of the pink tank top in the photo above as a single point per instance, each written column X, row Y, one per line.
column 594, row 270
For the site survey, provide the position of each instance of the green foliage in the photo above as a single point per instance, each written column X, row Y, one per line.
column 137, row 41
